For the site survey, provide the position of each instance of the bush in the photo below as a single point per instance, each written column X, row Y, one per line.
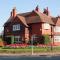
column 1, row 42
column 46, row 39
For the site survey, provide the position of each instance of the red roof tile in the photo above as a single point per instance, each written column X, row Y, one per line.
column 40, row 17
column 56, row 20
column 22, row 19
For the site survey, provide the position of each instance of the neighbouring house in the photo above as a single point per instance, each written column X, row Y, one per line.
column 56, row 28
column 24, row 27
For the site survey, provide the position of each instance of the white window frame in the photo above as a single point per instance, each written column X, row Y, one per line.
column 46, row 26
column 16, row 27
column 57, row 29
column 18, row 39
column 56, row 38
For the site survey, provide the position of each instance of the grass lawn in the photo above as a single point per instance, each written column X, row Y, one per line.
column 29, row 50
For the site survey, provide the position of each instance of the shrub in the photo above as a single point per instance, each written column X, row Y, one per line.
column 1, row 42
column 46, row 39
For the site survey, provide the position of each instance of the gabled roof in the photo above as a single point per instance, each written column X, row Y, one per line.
column 56, row 20
column 33, row 19
column 24, row 14
column 40, row 18
column 45, row 18
column 22, row 19
column 9, row 20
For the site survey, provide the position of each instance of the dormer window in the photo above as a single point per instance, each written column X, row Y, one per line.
column 16, row 27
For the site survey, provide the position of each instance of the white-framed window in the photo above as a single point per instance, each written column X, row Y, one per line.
column 17, row 39
column 46, row 26
column 16, row 27
column 57, row 29
column 56, row 38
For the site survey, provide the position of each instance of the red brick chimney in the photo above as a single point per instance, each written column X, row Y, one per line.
column 37, row 8
column 46, row 11
column 13, row 13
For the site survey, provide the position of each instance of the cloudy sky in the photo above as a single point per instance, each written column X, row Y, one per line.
column 26, row 5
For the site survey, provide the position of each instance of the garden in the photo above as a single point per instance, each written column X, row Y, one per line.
column 27, row 48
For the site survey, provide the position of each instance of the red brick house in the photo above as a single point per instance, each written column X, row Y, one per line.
column 56, row 32
column 22, row 27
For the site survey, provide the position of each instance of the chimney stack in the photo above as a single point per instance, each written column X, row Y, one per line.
column 13, row 13
column 37, row 8
column 46, row 11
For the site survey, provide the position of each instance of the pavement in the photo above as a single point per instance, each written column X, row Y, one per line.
column 34, row 54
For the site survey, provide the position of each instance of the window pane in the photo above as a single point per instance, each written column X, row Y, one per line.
column 57, row 38
column 57, row 29
column 16, row 27
column 46, row 26
column 17, row 39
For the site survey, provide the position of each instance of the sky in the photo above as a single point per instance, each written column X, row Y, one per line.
column 22, row 6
